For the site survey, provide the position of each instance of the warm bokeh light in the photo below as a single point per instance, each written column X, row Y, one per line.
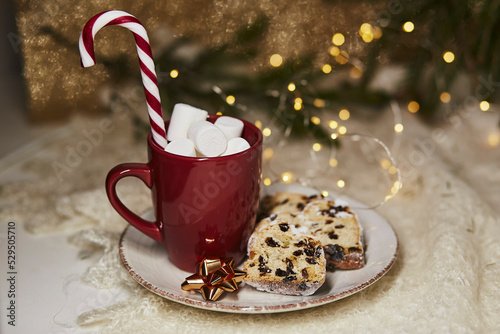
column 268, row 153
column 258, row 124
column 333, row 124
column 267, row 181
column 327, row 68
column 334, row 51
column 341, row 183
column 344, row 114
column 324, row 193
column 366, row 32
column 342, row 58
column 287, row 177
column 445, row 97
column 266, row 132
column 333, row 162
column 367, row 38
column 174, row 74
column 297, row 104
column 448, row 56
column 494, row 139
column 315, row 120
column 398, row 127
column 365, row 28
column 413, row 106
column 276, row 60
column 342, row 130
column 319, row 103
column 338, row 39
column 386, row 164
column 377, row 32
column 316, row 147
column 484, row 105
column 291, row 86
column 334, row 136
column 408, row 26
column 230, row 99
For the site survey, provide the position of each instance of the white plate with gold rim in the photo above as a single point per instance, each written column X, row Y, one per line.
column 146, row 260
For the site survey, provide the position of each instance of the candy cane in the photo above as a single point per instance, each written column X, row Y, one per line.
column 148, row 73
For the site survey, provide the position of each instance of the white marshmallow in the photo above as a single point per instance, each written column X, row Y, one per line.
column 236, row 145
column 181, row 146
column 208, row 139
column 183, row 116
column 232, row 127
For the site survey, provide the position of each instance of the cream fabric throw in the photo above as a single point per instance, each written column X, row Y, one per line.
column 446, row 278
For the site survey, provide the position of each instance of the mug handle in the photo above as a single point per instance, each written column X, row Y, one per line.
column 142, row 172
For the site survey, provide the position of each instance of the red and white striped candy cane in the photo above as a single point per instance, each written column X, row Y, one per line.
column 148, row 73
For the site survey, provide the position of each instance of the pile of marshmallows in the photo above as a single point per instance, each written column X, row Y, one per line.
column 191, row 135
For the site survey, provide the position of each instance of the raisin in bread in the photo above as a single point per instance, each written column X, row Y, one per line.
column 339, row 231
column 332, row 222
column 281, row 260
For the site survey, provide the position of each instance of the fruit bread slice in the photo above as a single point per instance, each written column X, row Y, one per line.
column 339, row 231
column 281, row 260
column 332, row 222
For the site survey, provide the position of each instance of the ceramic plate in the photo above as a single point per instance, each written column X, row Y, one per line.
column 148, row 263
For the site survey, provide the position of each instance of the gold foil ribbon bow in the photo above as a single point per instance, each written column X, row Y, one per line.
column 213, row 277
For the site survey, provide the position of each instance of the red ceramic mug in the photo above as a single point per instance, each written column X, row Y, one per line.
column 204, row 207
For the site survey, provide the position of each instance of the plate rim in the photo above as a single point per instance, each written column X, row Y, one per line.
column 287, row 307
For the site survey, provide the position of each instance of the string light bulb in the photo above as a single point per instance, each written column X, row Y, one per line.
column 366, row 32
column 344, row 114
column 408, row 26
column 484, row 105
column 327, row 68
column 449, row 57
column 338, row 39
column 385, row 163
column 319, row 103
column 230, row 99
column 316, row 147
column 413, row 106
column 445, row 97
column 334, row 51
column 342, row 58
column 287, row 177
column 276, row 60
column 174, row 74
column 377, row 32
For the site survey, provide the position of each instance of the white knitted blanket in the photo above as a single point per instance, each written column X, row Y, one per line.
column 446, row 278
